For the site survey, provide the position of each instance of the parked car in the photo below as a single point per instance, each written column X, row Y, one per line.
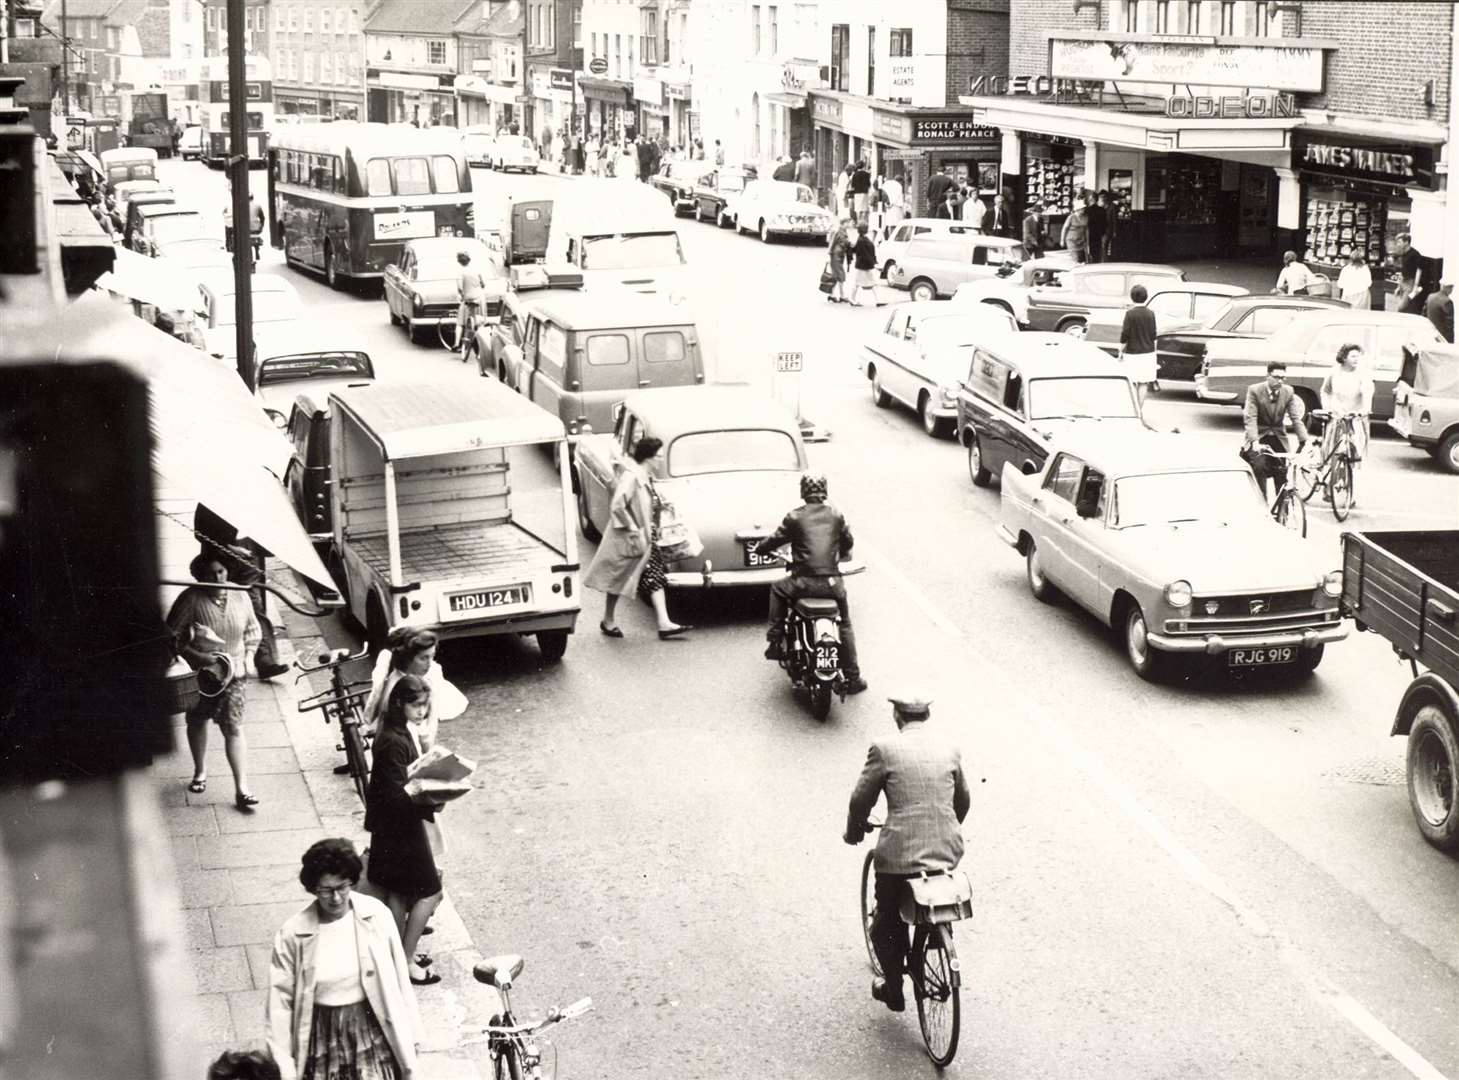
column 200, row 255
column 921, row 357
column 190, row 145
column 1426, row 403
column 1011, row 292
column 731, row 467
column 679, row 180
column 121, row 192
column 287, row 356
column 771, row 208
column 1308, row 345
column 1175, row 303
column 1064, row 304
column 933, row 266
column 713, row 193
column 421, row 289
column 156, row 225
column 274, row 301
column 1023, row 394
column 1170, row 543
column 889, row 251
column 1180, row 348
column 578, row 353
column 508, row 152
column 476, row 143
column 139, row 199
column 125, row 163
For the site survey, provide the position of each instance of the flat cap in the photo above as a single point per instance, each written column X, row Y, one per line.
column 912, row 704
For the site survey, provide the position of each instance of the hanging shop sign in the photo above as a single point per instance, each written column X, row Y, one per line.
column 1231, row 107
column 942, row 130
column 1114, row 57
column 560, row 79
column 1401, row 164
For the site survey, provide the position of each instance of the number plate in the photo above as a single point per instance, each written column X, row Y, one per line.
column 485, row 599
column 759, row 561
column 828, row 657
column 1282, row 654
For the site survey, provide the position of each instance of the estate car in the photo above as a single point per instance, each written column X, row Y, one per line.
column 933, row 266
column 1064, row 303
column 1174, row 304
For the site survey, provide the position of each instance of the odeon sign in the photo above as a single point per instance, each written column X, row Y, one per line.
column 1231, row 107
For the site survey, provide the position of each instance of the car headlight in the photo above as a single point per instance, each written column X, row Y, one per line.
column 1178, row 594
column 1332, row 583
column 949, row 394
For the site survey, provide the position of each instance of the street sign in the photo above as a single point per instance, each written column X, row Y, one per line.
column 598, row 65
column 787, row 362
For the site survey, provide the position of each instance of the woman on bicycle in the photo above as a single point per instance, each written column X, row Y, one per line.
column 471, row 287
column 1348, row 391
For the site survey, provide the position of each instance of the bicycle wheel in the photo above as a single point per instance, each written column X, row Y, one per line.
column 449, row 334
column 1306, row 476
column 935, row 981
column 1340, row 487
column 868, row 908
column 354, row 752
column 1289, row 512
column 508, row 1065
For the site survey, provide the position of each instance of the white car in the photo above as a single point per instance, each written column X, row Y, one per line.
column 476, row 142
column 922, row 356
column 289, row 355
column 190, row 146
column 890, row 250
column 507, row 152
column 771, row 208
column 274, row 301
column 1011, row 292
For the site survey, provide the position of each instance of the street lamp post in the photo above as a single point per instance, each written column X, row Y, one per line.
column 238, row 180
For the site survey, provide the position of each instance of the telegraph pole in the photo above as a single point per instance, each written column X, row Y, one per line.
column 238, row 179
column 65, row 65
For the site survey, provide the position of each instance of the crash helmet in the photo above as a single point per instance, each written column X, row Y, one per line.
column 813, row 487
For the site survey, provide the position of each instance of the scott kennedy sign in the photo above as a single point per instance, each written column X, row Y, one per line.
column 946, row 130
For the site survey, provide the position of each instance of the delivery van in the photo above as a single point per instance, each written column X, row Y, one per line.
column 615, row 232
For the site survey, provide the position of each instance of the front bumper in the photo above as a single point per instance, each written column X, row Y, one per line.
column 809, row 228
column 1215, row 644
column 1205, row 393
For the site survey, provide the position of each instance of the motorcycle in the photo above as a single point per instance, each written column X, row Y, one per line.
column 811, row 651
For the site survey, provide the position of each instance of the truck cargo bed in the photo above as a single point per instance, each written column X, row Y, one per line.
column 469, row 551
column 1404, row 586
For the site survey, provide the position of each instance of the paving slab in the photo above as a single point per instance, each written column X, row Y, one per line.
column 190, row 821
column 210, row 1022
column 268, row 884
column 247, row 1010
column 241, row 924
column 265, row 759
column 197, row 927
column 270, row 815
column 274, row 848
column 221, row 970
column 204, row 889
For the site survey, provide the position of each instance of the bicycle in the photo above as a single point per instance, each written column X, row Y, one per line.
column 516, row 1052
column 451, row 334
column 937, row 900
column 1287, row 510
column 1337, row 472
column 343, row 703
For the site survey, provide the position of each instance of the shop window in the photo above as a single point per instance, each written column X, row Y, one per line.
column 774, row 27
column 899, row 41
column 435, row 52
column 871, row 61
column 840, row 56
column 755, row 29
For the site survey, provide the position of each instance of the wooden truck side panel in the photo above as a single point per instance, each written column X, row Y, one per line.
column 1404, row 586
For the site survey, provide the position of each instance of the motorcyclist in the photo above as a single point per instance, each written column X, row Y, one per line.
column 819, row 539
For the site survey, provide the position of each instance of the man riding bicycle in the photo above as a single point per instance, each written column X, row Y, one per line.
column 1269, row 404
column 470, row 287
column 927, row 796
column 819, row 539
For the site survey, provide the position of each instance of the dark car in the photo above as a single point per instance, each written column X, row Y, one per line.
column 717, row 190
column 1179, row 350
column 679, row 179
column 1063, row 305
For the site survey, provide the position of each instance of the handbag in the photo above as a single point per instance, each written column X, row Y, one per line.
column 677, row 538
column 828, row 280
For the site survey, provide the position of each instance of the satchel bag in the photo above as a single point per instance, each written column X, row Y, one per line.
column 828, row 280
column 677, row 538
column 633, row 544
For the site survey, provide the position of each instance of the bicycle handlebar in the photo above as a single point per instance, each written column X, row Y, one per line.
column 554, row 1016
column 332, row 659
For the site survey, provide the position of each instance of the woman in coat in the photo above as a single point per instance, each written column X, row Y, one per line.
column 402, row 868
column 340, row 1001
column 628, row 542
column 838, row 252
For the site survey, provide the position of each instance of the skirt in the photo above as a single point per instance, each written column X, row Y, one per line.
column 653, row 577
column 347, row 1043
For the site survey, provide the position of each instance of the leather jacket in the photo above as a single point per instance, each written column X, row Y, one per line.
column 818, row 536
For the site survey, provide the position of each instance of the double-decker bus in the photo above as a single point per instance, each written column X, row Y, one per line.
column 346, row 196
column 213, row 108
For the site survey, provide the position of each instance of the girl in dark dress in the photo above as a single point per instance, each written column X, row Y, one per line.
column 401, row 867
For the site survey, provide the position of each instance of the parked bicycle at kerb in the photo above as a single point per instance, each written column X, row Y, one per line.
column 344, row 703
column 937, row 900
column 517, row 1049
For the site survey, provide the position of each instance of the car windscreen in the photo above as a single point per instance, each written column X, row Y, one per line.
column 746, row 450
column 632, row 251
column 277, row 369
column 267, row 307
column 1080, row 395
column 172, row 227
column 1227, row 496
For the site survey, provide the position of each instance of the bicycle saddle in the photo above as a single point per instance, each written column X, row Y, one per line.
column 499, row 971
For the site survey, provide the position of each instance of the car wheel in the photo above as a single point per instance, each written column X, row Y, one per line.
column 879, row 397
column 1308, row 660
column 886, row 271
column 1039, row 585
column 1075, row 328
column 976, row 469
column 698, row 213
column 923, row 290
column 765, row 237
column 553, row 644
column 585, row 522
column 394, row 318
column 934, row 425
column 1149, row 662
column 721, row 220
column 331, row 272
column 1447, row 452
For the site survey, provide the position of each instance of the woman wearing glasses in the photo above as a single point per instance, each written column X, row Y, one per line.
column 340, row 1003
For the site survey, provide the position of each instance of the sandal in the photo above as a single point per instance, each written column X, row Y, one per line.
column 244, row 802
column 430, row 979
column 424, row 960
column 199, row 785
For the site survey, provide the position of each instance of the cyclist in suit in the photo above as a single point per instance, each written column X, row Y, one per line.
column 921, row 774
column 1269, row 404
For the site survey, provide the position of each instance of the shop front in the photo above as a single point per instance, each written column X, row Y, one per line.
column 683, row 121
column 400, row 97
column 651, row 114
column 609, row 104
column 553, row 99
column 1361, row 192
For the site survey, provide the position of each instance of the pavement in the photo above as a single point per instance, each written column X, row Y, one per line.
column 238, row 876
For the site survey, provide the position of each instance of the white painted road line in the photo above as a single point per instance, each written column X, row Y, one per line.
column 1317, row 984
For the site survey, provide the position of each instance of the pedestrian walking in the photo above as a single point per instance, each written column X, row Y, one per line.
column 644, row 152
column 1439, row 309
column 718, row 154
column 246, row 564
column 1098, row 215
column 1295, row 279
column 214, row 630
column 896, row 203
column 863, row 255
column 628, row 551
column 1001, row 223
column 842, row 207
column 628, row 161
column 410, row 650
column 1414, row 285
column 805, row 170
column 949, row 208
column 402, row 868
column 860, row 188
column 1075, row 234
column 580, row 166
column 1137, row 342
column 784, row 170
column 1355, row 282
column 974, row 210
column 340, row 1003
column 938, row 185
column 838, row 254
column 698, row 149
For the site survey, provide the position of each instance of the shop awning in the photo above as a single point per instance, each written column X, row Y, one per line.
column 1261, row 140
column 789, row 100
column 150, row 281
